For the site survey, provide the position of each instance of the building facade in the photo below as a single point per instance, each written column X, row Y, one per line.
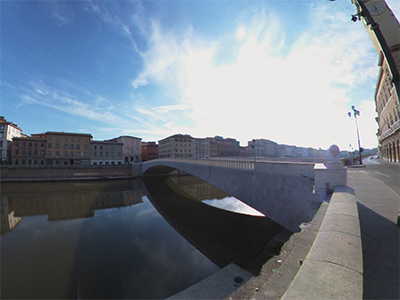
column 384, row 31
column 28, row 151
column 176, row 146
column 221, row 147
column 262, row 148
column 201, row 148
column 106, row 153
column 149, row 151
column 132, row 150
column 63, row 148
column 8, row 131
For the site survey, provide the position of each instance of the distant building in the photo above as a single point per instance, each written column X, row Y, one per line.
column 8, row 131
column 221, row 147
column 149, row 151
column 106, row 153
column 201, row 148
column 28, row 151
column 176, row 146
column 132, row 151
column 65, row 148
column 262, row 148
column 384, row 31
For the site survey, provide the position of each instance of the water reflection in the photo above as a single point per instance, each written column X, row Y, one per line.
column 223, row 236
column 107, row 238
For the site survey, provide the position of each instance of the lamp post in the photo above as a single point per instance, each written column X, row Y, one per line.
column 356, row 113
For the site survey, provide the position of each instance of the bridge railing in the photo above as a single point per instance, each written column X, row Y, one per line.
column 236, row 164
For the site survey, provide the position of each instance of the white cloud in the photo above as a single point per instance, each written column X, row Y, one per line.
column 301, row 98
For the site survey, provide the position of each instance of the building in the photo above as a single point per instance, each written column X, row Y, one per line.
column 149, row 150
column 132, row 151
column 221, row 147
column 106, row 153
column 384, row 31
column 8, row 131
column 176, row 146
column 201, row 148
column 65, row 148
column 28, row 151
column 262, row 148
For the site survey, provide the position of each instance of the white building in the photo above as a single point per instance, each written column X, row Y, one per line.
column 8, row 131
column 201, row 148
column 106, row 153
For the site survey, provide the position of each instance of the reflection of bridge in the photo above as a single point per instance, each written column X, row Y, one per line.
column 282, row 191
column 223, row 236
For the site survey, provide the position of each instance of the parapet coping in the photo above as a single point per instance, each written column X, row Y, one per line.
column 333, row 269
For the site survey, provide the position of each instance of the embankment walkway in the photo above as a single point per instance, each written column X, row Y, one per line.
column 349, row 251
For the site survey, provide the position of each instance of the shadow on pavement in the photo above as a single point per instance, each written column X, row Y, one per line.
column 380, row 243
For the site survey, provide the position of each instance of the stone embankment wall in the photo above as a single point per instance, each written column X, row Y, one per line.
column 14, row 173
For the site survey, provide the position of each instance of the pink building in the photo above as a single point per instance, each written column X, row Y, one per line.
column 132, row 150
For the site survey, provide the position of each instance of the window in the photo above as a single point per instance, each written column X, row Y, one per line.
column 106, row 153
column 57, row 146
column 49, row 153
column 95, row 153
column 78, row 146
column 71, row 153
column 2, row 127
column 65, row 153
column 65, row 146
column 57, row 139
column 50, row 138
column 16, row 152
column 66, row 139
column 95, row 147
column 78, row 140
column 72, row 140
column 86, row 140
column 86, row 147
column 101, row 153
column 72, row 146
column 57, row 153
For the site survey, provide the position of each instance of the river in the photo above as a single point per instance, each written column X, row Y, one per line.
column 119, row 239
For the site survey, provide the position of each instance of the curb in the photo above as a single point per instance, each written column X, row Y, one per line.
column 334, row 266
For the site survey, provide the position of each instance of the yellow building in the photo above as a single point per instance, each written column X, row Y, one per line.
column 384, row 31
column 178, row 145
column 65, row 148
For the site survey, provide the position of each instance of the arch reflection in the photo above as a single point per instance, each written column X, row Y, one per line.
column 221, row 235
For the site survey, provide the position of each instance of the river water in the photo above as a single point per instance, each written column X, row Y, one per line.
column 119, row 239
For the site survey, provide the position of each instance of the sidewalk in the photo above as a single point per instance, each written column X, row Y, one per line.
column 378, row 209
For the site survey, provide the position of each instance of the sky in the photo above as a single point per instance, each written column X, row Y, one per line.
column 284, row 70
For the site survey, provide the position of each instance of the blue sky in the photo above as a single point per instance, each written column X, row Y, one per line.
column 288, row 71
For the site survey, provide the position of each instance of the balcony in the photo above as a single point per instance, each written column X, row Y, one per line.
column 391, row 130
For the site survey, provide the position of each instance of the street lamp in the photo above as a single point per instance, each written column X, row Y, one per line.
column 356, row 113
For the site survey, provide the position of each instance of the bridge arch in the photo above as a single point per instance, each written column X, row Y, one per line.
column 281, row 191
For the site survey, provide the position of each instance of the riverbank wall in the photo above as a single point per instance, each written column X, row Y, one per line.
column 50, row 173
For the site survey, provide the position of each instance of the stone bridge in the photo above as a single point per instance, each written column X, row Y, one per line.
column 282, row 191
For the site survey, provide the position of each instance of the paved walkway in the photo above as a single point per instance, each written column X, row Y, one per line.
column 374, row 212
column 378, row 209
